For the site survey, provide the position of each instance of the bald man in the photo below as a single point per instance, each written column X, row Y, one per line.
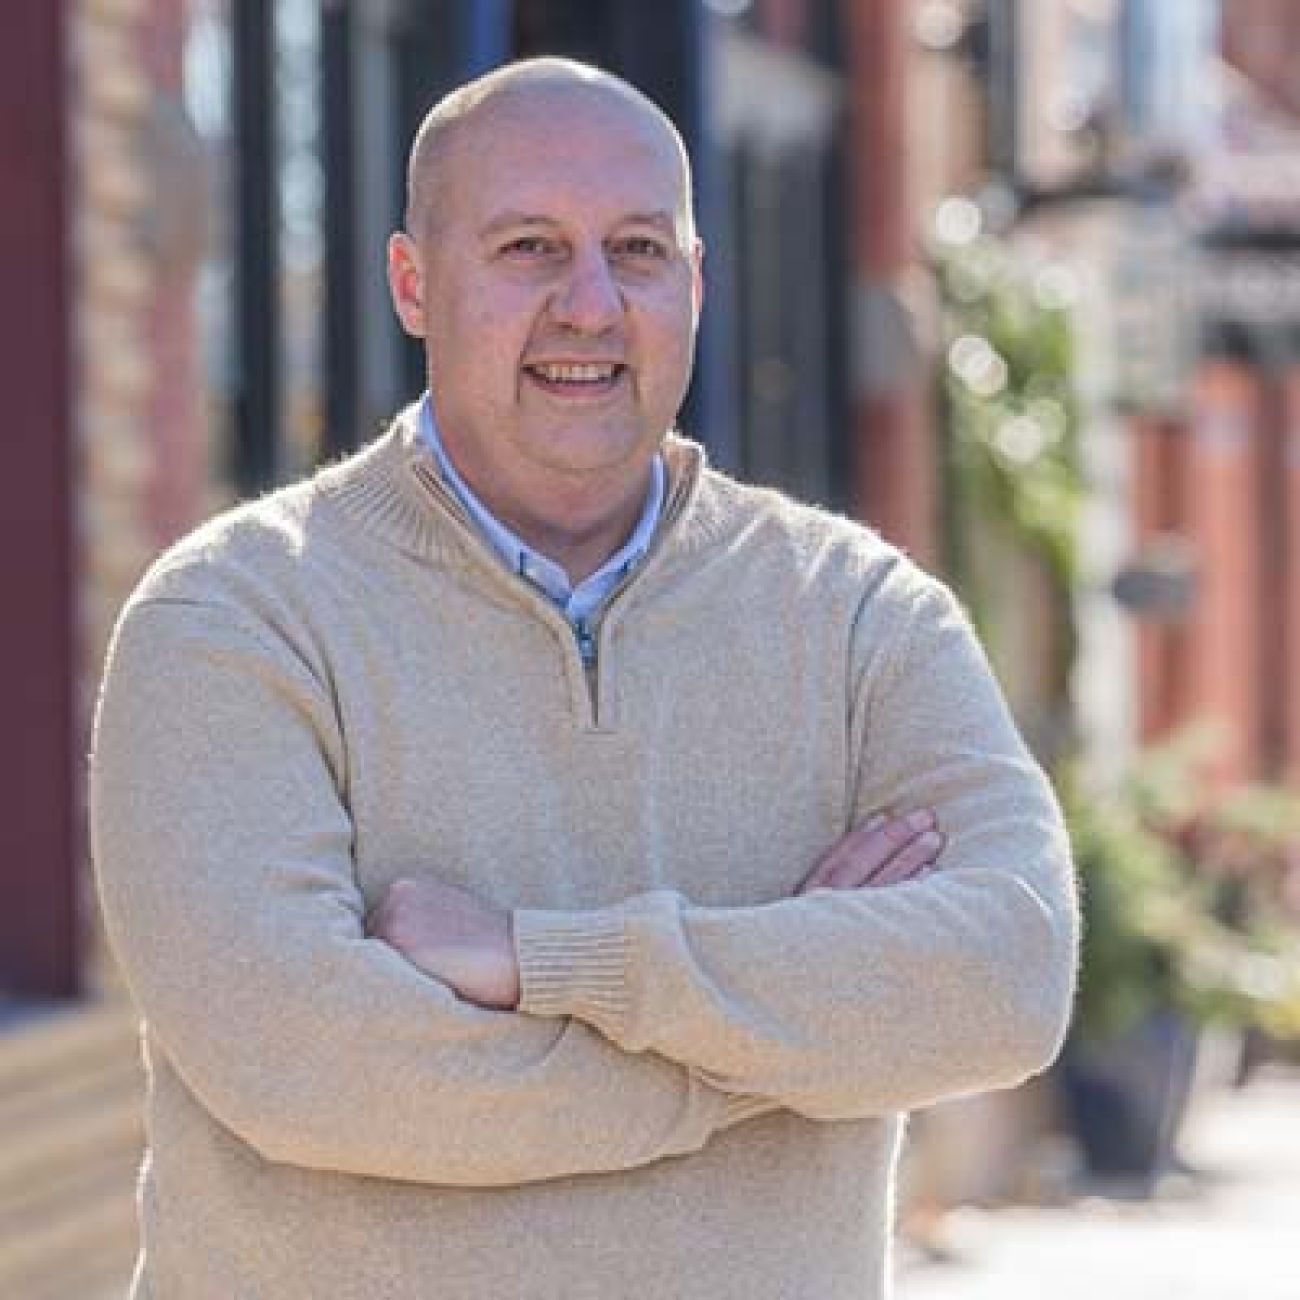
column 545, row 866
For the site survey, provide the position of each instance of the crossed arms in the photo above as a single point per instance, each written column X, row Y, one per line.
column 226, row 879
column 468, row 945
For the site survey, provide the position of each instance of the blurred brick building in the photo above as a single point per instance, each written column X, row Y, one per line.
column 1154, row 146
column 1219, row 471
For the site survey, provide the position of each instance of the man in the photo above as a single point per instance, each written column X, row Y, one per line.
column 523, row 841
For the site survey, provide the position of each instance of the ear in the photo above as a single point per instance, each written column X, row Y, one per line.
column 406, row 283
column 697, row 277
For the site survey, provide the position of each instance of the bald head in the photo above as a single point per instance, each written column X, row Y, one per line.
column 526, row 86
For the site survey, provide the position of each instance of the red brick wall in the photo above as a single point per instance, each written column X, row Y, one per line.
column 1159, row 503
column 176, row 487
column 896, row 471
column 1212, row 481
column 1290, row 655
column 1222, row 521
column 136, row 216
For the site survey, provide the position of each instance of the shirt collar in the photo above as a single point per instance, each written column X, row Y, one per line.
column 577, row 602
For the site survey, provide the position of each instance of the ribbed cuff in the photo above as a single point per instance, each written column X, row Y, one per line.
column 573, row 964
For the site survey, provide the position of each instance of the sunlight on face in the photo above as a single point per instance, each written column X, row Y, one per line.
column 560, row 291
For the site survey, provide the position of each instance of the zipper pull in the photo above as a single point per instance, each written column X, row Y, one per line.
column 586, row 642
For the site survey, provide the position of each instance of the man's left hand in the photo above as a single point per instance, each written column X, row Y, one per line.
column 453, row 936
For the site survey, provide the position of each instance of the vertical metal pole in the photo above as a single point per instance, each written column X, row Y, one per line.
column 488, row 33
column 711, row 412
column 1003, row 144
column 257, row 415
column 342, row 407
column 39, row 808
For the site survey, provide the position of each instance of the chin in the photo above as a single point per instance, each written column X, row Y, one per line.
column 593, row 450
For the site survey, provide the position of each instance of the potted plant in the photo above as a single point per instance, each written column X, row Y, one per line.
column 1183, row 925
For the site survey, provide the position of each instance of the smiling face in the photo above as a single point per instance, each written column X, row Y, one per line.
column 555, row 283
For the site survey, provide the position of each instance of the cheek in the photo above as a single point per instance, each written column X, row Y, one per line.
column 481, row 338
column 498, row 327
column 666, row 308
column 671, row 330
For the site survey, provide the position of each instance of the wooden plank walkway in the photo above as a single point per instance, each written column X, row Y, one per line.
column 70, row 1142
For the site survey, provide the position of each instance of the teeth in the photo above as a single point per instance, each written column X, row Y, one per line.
column 576, row 374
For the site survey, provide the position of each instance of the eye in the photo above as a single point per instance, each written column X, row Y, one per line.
column 529, row 246
column 642, row 247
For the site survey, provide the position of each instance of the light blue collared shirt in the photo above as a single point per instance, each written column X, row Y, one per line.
column 579, row 604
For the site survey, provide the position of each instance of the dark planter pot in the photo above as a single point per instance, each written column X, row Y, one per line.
column 1126, row 1097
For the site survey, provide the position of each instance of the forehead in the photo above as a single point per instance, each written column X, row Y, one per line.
column 547, row 150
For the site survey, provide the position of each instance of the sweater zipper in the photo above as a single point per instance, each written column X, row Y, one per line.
column 586, row 643
column 585, row 632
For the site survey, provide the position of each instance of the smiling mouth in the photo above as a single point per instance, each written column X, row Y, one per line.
column 577, row 379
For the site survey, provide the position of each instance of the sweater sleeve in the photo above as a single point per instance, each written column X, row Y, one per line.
column 223, row 854
column 858, row 1003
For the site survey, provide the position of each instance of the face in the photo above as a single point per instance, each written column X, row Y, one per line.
column 557, row 290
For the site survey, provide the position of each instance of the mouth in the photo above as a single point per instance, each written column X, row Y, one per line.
column 577, row 379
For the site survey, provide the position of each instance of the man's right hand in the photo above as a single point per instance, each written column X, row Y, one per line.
column 883, row 851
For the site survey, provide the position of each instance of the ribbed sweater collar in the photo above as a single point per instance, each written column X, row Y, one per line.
column 392, row 488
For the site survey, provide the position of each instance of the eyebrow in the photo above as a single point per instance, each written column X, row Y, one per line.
column 512, row 220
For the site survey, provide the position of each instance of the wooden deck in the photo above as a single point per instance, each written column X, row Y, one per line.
column 70, row 1143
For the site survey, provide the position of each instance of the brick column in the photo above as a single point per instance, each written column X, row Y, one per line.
column 174, row 238
column 1222, row 522
column 1290, row 591
column 895, row 471
column 114, row 282
column 1161, row 462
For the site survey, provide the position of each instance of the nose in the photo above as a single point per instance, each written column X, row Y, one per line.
column 590, row 300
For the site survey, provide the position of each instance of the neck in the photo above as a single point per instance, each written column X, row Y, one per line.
column 578, row 531
column 578, row 517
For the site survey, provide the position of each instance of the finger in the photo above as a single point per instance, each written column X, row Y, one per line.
column 916, row 859
column 837, row 855
column 867, row 854
column 863, row 852
column 867, row 849
column 870, row 846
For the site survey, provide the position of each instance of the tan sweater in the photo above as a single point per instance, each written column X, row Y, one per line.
column 699, row 1097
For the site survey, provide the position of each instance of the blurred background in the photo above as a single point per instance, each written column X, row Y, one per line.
column 1017, row 281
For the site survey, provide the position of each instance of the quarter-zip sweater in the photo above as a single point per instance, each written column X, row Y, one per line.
column 699, row 1097
column 580, row 603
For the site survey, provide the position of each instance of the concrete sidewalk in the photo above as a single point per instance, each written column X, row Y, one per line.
column 1231, row 1233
